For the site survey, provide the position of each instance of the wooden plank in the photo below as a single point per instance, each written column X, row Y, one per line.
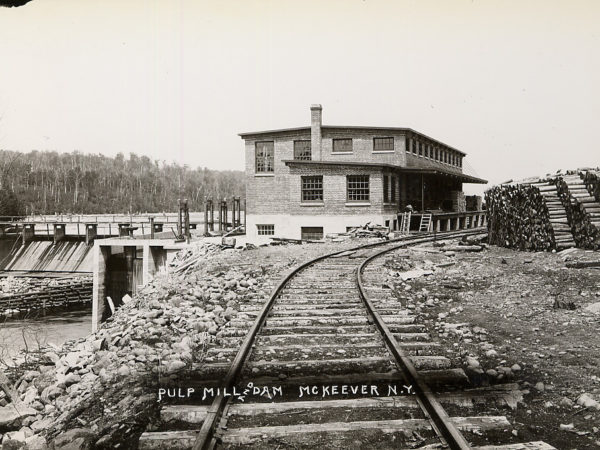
column 251, row 435
column 167, row 440
column 536, row 445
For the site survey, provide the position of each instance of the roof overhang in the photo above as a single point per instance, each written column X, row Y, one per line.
column 409, row 170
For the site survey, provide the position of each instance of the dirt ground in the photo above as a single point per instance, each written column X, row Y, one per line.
column 509, row 316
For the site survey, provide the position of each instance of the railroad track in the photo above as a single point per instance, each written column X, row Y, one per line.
column 332, row 360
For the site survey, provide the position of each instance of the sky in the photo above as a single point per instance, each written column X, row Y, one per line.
column 513, row 83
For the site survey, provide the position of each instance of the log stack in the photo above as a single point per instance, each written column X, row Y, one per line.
column 591, row 179
column 519, row 218
column 576, row 202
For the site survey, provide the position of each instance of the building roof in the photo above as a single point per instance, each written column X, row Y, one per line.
column 342, row 128
column 430, row 171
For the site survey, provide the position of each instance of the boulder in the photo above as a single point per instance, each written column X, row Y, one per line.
column 75, row 439
column 12, row 416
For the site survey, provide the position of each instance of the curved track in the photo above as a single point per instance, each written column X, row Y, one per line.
column 330, row 325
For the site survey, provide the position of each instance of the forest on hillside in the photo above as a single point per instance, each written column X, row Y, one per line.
column 51, row 182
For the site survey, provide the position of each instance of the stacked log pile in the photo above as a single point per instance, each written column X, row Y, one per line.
column 518, row 218
column 584, row 232
column 61, row 294
column 591, row 178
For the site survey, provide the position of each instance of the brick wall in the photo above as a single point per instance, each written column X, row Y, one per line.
column 362, row 147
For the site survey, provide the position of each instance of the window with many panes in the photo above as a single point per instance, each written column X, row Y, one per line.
column 357, row 188
column 311, row 233
column 342, row 145
column 383, row 144
column 265, row 230
column 312, row 188
column 302, row 150
column 389, row 189
column 265, row 157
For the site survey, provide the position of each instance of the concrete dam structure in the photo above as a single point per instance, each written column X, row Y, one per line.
column 45, row 256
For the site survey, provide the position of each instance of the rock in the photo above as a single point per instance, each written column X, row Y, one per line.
column 31, row 395
column 30, row 375
column 40, row 425
column 566, row 402
column 588, row 402
column 539, row 386
column 72, row 378
column 567, row 427
column 11, row 417
column 593, row 308
column 492, row 373
column 124, row 371
column 50, row 393
column 71, row 359
column 515, row 368
column 175, row 366
column 75, row 439
column 36, row 443
column 472, row 362
column 491, row 353
column 99, row 344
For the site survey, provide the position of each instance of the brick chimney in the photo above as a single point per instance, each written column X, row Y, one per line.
column 316, row 120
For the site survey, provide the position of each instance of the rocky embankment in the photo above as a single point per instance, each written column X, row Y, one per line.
column 101, row 391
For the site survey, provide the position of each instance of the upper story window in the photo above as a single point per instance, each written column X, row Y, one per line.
column 312, row 188
column 383, row 144
column 420, row 149
column 342, row 145
column 357, row 188
column 302, row 150
column 265, row 157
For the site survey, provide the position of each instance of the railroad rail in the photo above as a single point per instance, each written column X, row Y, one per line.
column 329, row 324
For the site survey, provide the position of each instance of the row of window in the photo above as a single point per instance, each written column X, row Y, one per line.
column 265, row 152
column 357, row 188
column 307, row 233
column 433, row 152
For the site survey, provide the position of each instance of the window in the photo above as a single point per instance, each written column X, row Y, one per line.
column 383, row 144
column 311, row 233
column 386, row 189
column 302, row 150
column 312, row 188
column 265, row 230
column 420, row 149
column 357, row 188
column 342, row 145
column 264, row 157
column 407, row 144
column 389, row 189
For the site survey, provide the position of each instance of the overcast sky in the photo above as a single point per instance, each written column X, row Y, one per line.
column 514, row 84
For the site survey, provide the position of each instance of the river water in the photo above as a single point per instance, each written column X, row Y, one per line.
column 53, row 328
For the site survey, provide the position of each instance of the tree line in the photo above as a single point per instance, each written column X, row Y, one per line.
column 50, row 182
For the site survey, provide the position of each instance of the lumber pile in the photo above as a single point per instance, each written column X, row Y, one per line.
column 591, row 179
column 576, row 201
column 518, row 218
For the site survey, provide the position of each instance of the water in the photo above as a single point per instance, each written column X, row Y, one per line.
column 53, row 328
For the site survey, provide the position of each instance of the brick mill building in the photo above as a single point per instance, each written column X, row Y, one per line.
column 309, row 181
